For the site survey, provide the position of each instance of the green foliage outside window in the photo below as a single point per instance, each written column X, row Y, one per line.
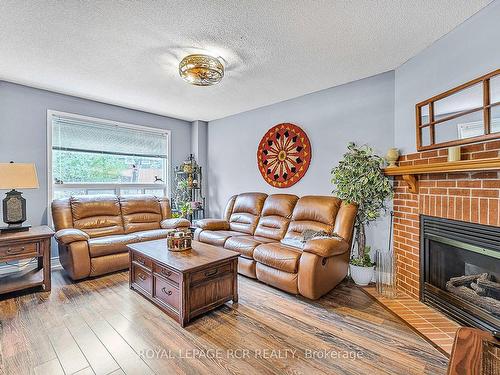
column 84, row 167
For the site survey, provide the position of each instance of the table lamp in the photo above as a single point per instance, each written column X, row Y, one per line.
column 16, row 176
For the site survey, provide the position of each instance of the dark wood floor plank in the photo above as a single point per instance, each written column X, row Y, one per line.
column 85, row 371
column 122, row 352
column 302, row 341
column 70, row 356
column 164, row 334
column 22, row 341
column 102, row 315
column 100, row 360
column 348, row 335
column 154, row 350
column 257, row 338
column 52, row 367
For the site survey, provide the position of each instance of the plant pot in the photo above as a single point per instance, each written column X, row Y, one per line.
column 361, row 275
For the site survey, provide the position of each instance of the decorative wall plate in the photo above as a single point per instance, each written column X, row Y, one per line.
column 284, row 154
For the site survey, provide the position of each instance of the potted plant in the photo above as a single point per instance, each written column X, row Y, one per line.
column 358, row 178
column 186, row 209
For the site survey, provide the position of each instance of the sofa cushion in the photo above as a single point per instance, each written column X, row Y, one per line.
column 326, row 247
column 251, row 203
column 212, row 224
column 175, row 223
column 246, row 212
column 280, row 205
column 217, row 237
column 110, row 244
column 247, row 267
column 315, row 213
column 228, row 210
column 278, row 256
column 154, row 234
column 245, row 245
column 61, row 214
column 276, row 215
column 109, row 263
column 97, row 215
column 140, row 212
column 263, row 239
column 280, row 279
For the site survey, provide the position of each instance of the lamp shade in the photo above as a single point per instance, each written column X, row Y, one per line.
column 18, row 176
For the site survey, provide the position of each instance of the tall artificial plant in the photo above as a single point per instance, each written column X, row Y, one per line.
column 358, row 178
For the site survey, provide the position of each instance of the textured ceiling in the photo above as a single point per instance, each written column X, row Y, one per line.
column 127, row 52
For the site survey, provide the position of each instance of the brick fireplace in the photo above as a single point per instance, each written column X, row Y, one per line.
column 467, row 196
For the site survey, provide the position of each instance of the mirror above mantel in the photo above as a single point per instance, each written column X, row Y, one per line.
column 465, row 114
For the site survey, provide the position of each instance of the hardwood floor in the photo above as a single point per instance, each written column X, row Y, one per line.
column 99, row 326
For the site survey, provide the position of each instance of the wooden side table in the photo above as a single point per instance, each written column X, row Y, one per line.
column 34, row 243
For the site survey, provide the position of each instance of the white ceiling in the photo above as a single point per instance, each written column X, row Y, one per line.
column 127, row 52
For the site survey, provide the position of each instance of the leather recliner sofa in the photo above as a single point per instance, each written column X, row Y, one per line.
column 93, row 230
column 254, row 224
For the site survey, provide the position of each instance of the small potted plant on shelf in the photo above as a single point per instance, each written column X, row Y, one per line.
column 186, row 209
column 359, row 179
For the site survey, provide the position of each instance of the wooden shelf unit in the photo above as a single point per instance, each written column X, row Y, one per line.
column 22, row 280
column 410, row 173
column 31, row 244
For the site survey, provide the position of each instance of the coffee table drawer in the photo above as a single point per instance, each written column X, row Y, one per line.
column 142, row 260
column 166, row 293
column 142, row 278
column 167, row 273
column 19, row 249
column 211, row 272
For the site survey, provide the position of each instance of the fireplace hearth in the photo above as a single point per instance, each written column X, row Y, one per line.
column 460, row 270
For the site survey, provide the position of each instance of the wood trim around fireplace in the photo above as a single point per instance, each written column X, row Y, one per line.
column 410, row 173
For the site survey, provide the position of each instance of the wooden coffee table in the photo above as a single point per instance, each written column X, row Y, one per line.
column 184, row 284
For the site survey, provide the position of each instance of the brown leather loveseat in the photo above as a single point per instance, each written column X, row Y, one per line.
column 265, row 229
column 93, row 230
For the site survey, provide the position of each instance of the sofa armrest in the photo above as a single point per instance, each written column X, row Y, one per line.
column 212, row 224
column 326, row 247
column 75, row 259
column 69, row 235
column 175, row 223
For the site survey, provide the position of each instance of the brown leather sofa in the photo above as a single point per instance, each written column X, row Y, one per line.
column 255, row 223
column 93, row 230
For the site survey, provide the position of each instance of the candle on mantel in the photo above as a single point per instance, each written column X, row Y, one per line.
column 454, row 153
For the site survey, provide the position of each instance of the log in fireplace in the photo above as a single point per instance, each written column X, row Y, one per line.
column 460, row 270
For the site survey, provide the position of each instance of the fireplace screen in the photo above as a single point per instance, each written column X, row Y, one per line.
column 460, row 270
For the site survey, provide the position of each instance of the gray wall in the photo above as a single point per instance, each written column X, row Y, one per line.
column 467, row 52
column 23, row 136
column 361, row 111
column 199, row 145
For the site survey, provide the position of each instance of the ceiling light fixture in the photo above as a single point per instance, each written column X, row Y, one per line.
column 201, row 70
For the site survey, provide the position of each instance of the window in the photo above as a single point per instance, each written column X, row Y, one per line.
column 93, row 156
column 465, row 114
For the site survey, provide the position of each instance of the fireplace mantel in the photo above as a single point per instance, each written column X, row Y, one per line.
column 410, row 173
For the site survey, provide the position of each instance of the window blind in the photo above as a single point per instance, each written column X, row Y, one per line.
column 73, row 134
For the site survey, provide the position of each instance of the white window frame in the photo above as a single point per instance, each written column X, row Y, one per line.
column 104, row 186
